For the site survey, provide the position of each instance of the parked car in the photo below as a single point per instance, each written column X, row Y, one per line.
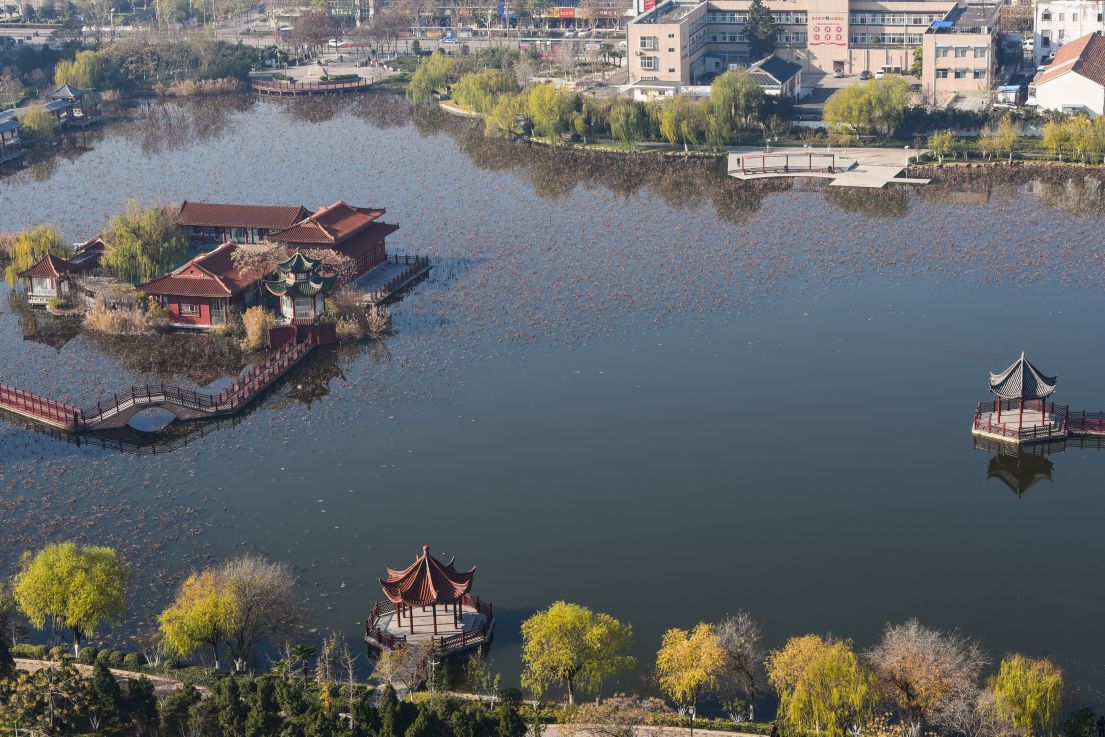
column 333, row 43
column 879, row 74
column 465, row 33
column 449, row 38
column 838, row 73
column 865, row 74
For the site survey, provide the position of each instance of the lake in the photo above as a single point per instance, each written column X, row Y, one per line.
column 629, row 383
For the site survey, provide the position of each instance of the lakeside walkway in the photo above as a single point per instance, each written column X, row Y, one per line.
column 870, row 168
column 162, row 685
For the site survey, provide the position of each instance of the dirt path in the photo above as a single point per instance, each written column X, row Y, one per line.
column 162, row 685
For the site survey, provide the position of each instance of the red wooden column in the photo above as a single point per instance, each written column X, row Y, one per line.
column 433, row 608
column 399, row 614
column 410, row 619
column 1020, row 416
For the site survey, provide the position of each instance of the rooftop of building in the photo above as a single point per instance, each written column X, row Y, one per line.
column 1084, row 56
column 774, row 70
column 971, row 17
column 668, row 12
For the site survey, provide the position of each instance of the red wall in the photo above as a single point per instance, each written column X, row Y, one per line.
column 203, row 318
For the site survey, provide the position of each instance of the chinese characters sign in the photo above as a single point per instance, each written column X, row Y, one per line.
column 827, row 29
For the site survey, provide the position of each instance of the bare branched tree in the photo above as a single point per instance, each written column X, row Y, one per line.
column 404, row 666
column 265, row 605
column 925, row 672
column 744, row 656
column 613, row 717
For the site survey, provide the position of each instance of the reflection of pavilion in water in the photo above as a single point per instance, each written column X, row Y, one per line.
column 1021, row 468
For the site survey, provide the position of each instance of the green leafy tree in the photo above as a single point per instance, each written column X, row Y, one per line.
column 917, row 62
column 759, row 28
column 200, row 615
column 503, row 119
column 143, row 243
column 689, row 663
column 230, row 708
column 140, row 705
column 573, row 645
column 49, row 701
column 87, row 70
column 1003, row 138
column 31, row 245
column 172, row 711
column 1081, row 723
column 390, row 722
column 105, row 699
column 263, row 717
column 480, row 91
column 628, row 122
column 735, row 100
column 682, row 121
column 942, row 143
column 1029, row 692
column 510, row 721
column 77, row 587
column 550, row 108
column 433, row 74
column 39, row 127
column 822, row 685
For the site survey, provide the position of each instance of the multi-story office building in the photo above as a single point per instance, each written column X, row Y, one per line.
column 687, row 41
column 959, row 53
column 1060, row 21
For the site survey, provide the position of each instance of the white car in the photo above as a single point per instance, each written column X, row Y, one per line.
column 879, row 74
column 333, row 43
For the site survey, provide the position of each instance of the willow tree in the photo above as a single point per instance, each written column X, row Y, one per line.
column 200, row 615
column 570, row 644
column 689, row 663
column 433, row 74
column 143, row 243
column 682, row 121
column 72, row 586
column 735, row 99
column 28, row 246
column 1029, row 692
column 628, row 122
column 822, row 685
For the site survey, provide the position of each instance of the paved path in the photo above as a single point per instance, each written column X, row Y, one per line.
column 162, row 685
column 559, row 730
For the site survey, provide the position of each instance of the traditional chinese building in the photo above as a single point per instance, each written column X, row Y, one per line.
column 11, row 147
column 209, row 224
column 301, row 288
column 1021, row 412
column 83, row 106
column 50, row 278
column 430, row 600
column 353, row 232
column 199, row 293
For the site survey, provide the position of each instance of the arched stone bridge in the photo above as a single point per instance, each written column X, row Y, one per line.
column 186, row 404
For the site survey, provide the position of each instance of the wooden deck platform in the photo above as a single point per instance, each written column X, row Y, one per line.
column 870, row 168
column 1040, row 422
column 385, row 631
column 383, row 281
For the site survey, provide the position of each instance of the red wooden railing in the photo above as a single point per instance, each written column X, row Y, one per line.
column 1056, row 426
column 32, row 405
column 230, row 400
column 1082, row 421
column 781, row 163
column 442, row 645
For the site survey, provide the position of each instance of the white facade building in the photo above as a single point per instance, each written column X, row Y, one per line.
column 1075, row 80
column 1060, row 21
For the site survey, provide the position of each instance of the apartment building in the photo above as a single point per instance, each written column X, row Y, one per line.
column 1060, row 21
column 959, row 53
column 686, row 42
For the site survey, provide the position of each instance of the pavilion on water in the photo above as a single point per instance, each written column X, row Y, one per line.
column 1021, row 413
column 430, row 600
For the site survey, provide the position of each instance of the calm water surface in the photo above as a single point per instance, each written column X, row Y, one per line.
column 645, row 389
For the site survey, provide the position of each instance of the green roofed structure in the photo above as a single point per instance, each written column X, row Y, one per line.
column 300, row 287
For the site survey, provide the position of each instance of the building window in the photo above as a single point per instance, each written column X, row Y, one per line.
column 980, row 52
column 671, row 70
column 671, row 51
column 189, row 309
column 1099, row 17
column 980, row 74
column 671, row 35
column 941, row 73
column 40, row 285
column 304, row 308
column 1062, row 32
column 1046, row 15
column 960, row 73
column 649, row 42
column 941, row 52
column 961, row 53
column 1060, row 17
column 1074, row 16
column 648, row 63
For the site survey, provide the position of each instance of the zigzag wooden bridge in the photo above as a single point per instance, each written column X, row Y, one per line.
column 186, row 404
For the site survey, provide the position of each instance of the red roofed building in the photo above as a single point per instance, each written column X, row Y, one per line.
column 351, row 231
column 208, row 223
column 429, row 583
column 1075, row 80
column 199, row 293
column 50, row 278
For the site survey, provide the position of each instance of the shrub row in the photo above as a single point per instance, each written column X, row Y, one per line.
column 86, row 655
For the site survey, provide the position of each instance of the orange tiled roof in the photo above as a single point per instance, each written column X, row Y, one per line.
column 427, row 581
column 47, row 267
column 1085, row 56
column 215, row 276
column 328, row 225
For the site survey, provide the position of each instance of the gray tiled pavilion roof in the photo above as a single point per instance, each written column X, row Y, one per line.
column 1022, row 380
column 66, row 92
column 777, row 68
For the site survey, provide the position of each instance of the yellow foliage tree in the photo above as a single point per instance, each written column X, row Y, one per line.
column 29, row 246
column 821, row 685
column 199, row 615
column 73, row 586
column 1029, row 692
column 689, row 663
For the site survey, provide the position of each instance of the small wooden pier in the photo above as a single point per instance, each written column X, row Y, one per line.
column 294, row 89
column 870, row 168
column 383, row 281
